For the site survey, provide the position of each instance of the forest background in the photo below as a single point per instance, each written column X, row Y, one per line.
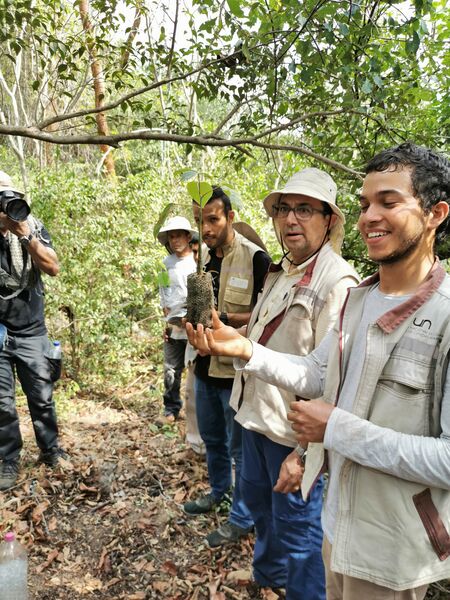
column 244, row 91
column 104, row 104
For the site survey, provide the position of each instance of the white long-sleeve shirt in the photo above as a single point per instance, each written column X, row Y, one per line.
column 173, row 297
column 415, row 458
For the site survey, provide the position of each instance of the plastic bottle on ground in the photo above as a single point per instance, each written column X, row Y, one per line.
column 13, row 569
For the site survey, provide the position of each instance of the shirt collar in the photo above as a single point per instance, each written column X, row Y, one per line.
column 395, row 317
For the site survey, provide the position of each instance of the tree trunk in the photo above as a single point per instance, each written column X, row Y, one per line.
column 99, row 85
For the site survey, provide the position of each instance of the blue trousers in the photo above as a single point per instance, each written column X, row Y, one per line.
column 288, row 530
column 223, row 441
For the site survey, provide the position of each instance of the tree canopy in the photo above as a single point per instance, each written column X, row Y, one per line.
column 244, row 90
column 330, row 80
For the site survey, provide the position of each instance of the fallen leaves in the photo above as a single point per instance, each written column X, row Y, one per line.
column 38, row 511
column 112, row 527
column 241, row 576
column 50, row 558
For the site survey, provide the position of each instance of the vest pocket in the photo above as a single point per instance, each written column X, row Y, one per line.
column 236, row 299
column 403, row 393
column 397, row 403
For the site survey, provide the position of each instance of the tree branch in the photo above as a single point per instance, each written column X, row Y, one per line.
column 174, row 34
column 148, row 134
column 228, row 116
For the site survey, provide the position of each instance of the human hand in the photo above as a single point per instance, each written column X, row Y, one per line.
column 309, row 420
column 291, row 473
column 221, row 340
column 19, row 228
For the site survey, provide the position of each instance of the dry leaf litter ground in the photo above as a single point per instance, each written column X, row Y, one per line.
column 109, row 524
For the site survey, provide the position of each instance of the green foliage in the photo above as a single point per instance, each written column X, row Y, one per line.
column 199, row 191
column 163, row 278
column 338, row 79
column 104, row 304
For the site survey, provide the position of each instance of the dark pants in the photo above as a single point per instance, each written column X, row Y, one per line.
column 173, row 368
column 223, row 442
column 288, row 543
column 26, row 357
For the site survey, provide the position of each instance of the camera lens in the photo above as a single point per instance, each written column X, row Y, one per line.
column 17, row 209
column 14, row 205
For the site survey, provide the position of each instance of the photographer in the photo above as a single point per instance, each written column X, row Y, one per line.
column 25, row 252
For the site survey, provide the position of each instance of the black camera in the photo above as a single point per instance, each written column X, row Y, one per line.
column 14, row 205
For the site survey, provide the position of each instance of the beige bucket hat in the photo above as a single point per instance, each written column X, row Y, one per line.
column 173, row 224
column 317, row 184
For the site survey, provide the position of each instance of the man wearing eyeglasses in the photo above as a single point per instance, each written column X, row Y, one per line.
column 301, row 299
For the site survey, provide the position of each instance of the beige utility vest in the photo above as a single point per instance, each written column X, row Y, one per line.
column 235, row 291
column 391, row 531
column 263, row 407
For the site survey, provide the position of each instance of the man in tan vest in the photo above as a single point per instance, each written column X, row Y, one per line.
column 238, row 267
column 300, row 301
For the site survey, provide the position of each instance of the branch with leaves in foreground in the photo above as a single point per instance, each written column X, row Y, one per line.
column 114, row 140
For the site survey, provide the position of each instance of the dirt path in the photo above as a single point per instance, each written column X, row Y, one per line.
column 109, row 525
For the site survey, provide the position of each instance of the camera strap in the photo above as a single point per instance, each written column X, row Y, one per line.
column 22, row 274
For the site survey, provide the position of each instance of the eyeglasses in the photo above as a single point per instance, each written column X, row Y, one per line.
column 301, row 213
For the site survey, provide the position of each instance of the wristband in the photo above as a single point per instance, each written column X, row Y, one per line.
column 224, row 318
column 301, row 452
column 26, row 239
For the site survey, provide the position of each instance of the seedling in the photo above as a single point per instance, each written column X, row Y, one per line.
column 200, row 296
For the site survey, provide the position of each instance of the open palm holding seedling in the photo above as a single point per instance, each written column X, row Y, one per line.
column 220, row 340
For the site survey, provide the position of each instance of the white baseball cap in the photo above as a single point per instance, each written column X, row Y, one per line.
column 172, row 224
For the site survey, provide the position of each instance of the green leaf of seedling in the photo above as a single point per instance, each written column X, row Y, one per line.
column 162, row 217
column 199, row 191
column 236, row 201
column 186, row 175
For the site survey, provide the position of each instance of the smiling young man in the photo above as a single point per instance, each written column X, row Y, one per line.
column 383, row 372
column 238, row 267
